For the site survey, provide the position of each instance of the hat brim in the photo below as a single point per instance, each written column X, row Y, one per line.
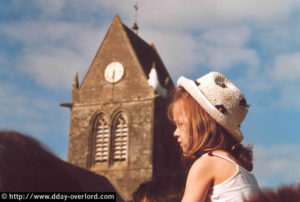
column 196, row 93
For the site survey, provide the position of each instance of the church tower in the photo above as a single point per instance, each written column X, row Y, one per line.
column 118, row 127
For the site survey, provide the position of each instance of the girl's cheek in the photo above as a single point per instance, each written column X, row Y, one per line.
column 183, row 129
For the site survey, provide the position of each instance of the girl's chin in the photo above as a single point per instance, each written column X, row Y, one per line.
column 183, row 149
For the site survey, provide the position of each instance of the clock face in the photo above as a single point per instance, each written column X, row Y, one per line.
column 114, row 72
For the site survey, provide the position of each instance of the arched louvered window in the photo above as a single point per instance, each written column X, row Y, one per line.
column 101, row 140
column 120, row 138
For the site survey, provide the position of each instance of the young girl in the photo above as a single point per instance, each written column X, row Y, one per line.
column 208, row 113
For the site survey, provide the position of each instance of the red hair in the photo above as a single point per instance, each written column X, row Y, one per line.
column 205, row 135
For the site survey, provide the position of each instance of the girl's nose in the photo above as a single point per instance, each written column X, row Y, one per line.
column 176, row 134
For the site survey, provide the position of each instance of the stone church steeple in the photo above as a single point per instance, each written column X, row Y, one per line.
column 118, row 126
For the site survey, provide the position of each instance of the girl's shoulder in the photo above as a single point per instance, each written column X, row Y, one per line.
column 205, row 162
column 199, row 180
column 212, row 163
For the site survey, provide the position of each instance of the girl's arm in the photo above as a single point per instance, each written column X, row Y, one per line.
column 199, row 180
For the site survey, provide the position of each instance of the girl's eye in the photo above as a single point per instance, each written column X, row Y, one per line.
column 179, row 124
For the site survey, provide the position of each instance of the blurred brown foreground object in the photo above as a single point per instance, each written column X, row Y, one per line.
column 28, row 166
column 287, row 193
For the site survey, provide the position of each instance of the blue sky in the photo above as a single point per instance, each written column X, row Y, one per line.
column 256, row 44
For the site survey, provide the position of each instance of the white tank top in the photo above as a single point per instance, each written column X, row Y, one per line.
column 237, row 187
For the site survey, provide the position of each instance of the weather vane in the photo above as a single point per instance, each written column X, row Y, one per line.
column 135, row 27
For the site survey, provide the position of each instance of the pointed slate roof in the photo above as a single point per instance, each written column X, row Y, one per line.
column 148, row 56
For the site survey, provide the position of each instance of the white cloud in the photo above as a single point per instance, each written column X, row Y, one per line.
column 20, row 111
column 77, row 36
column 218, row 48
column 221, row 48
column 286, row 68
column 220, row 57
column 52, row 8
column 54, row 68
column 177, row 50
column 277, row 164
column 228, row 36
column 255, row 81
column 3, row 62
column 289, row 98
column 284, row 76
column 209, row 33
column 280, row 36
column 199, row 14
column 55, row 51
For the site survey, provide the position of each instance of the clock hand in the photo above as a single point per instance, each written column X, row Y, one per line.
column 113, row 90
column 113, row 75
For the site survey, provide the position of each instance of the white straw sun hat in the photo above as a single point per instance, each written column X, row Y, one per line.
column 220, row 98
